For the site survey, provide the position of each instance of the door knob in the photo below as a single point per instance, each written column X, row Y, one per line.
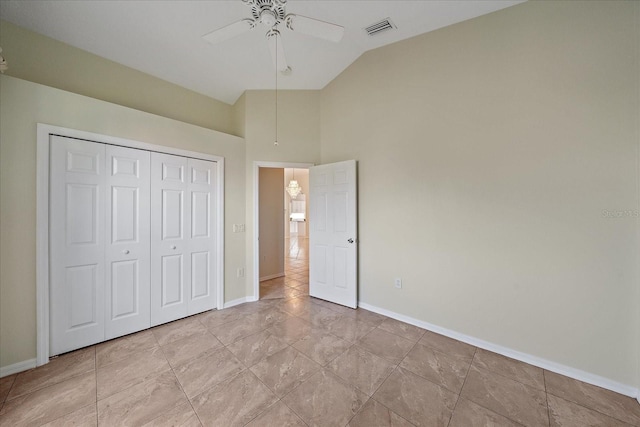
column 350, row 240
column 126, row 251
column 173, row 247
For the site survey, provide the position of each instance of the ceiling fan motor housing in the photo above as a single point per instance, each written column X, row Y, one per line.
column 267, row 12
column 271, row 13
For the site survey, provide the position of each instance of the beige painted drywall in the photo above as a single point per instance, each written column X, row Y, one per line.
column 37, row 58
column 238, row 116
column 24, row 104
column 298, row 141
column 489, row 155
column 271, row 207
column 637, row 298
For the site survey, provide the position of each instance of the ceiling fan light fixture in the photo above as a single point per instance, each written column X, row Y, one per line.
column 268, row 18
column 272, row 13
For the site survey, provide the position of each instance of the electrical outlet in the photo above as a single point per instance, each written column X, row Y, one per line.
column 240, row 272
column 398, row 283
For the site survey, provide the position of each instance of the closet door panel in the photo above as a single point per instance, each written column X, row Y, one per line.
column 128, row 249
column 77, row 238
column 202, row 248
column 170, row 224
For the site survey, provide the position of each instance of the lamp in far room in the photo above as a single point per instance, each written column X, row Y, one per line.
column 293, row 188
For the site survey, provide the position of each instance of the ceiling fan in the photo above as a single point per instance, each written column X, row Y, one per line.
column 271, row 13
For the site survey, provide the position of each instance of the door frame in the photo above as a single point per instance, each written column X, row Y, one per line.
column 256, row 214
column 42, row 218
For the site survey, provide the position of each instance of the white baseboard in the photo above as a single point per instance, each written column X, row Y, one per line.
column 549, row 365
column 238, row 301
column 17, row 367
column 272, row 276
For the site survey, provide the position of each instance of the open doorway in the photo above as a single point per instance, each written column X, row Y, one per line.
column 281, row 251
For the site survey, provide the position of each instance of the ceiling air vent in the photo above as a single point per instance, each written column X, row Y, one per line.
column 379, row 27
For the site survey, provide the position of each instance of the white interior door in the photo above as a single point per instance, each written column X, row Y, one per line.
column 128, row 249
column 170, row 220
column 201, row 247
column 77, row 238
column 333, row 269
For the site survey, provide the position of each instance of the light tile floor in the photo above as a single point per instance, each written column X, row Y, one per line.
column 296, row 279
column 293, row 360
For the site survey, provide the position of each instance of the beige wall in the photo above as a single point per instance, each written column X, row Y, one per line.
column 238, row 118
column 40, row 59
column 487, row 153
column 502, row 140
column 298, row 141
column 637, row 138
column 24, row 104
column 271, row 201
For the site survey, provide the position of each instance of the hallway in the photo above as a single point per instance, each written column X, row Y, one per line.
column 296, row 280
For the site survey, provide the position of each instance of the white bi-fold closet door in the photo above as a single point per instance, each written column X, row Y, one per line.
column 182, row 237
column 125, row 245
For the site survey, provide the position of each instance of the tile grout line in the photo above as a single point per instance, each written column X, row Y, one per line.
column 46, row 386
column 49, row 386
column 461, row 388
column 127, row 338
column 181, row 389
column 395, row 368
column 585, row 407
column 280, row 399
column 70, row 378
column 248, row 368
column 290, row 408
column 547, row 393
column 431, row 380
column 156, row 375
column 484, row 407
column 263, row 412
column 546, row 396
column 511, row 378
column 6, row 398
column 180, row 384
column 64, row 415
column 358, row 411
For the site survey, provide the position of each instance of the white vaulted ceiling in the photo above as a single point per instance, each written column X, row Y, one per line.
column 164, row 38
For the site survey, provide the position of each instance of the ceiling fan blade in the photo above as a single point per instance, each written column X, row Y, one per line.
column 230, row 31
column 276, row 50
column 314, row 27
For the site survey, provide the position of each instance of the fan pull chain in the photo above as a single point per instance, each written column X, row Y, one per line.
column 275, row 144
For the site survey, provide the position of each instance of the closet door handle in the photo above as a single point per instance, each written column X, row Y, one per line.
column 350, row 240
column 173, row 247
column 126, row 251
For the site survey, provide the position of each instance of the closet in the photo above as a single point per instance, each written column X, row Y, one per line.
column 132, row 240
